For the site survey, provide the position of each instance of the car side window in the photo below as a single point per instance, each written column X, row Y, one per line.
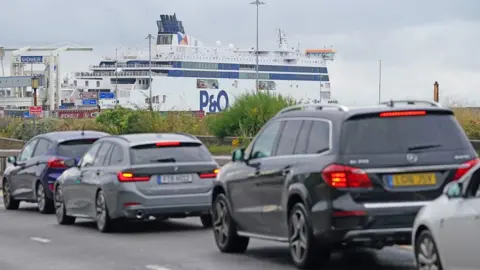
column 264, row 144
column 288, row 137
column 102, row 154
column 28, row 150
column 302, row 140
column 117, row 155
column 319, row 137
column 473, row 186
column 42, row 147
column 89, row 157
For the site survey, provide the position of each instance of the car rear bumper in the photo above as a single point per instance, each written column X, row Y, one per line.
column 134, row 206
column 375, row 225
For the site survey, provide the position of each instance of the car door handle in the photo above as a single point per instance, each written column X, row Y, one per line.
column 99, row 172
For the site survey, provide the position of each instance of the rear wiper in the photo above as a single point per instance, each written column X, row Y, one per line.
column 164, row 160
column 424, row 146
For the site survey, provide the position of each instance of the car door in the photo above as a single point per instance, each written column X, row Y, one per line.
column 274, row 171
column 244, row 192
column 91, row 179
column 37, row 164
column 458, row 228
column 73, row 193
column 20, row 186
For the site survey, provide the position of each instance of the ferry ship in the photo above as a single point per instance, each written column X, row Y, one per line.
column 188, row 76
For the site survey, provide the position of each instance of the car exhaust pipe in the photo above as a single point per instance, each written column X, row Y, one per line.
column 140, row 215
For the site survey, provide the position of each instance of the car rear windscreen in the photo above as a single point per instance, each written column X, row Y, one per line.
column 74, row 148
column 187, row 152
column 383, row 135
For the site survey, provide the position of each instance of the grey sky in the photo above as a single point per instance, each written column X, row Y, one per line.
column 418, row 41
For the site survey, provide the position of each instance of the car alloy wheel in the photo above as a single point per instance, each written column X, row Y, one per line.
column 427, row 253
column 6, row 193
column 41, row 197
column 221, row 222
column 101, row 209
column 298, row 235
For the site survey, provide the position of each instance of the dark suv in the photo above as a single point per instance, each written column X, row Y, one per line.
column 325, row 177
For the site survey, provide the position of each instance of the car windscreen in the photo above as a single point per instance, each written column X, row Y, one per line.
column 383, row 135
column 74, row 148
column 185, row 152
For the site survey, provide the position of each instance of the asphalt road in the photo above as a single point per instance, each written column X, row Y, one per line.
column 31, row 241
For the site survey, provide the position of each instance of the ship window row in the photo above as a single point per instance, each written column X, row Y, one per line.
column 223, row 66
column 244, row 75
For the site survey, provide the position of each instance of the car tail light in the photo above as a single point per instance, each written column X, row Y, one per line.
column 464, row 168
column 402, row 113
column 56, row 163
column 341, row 176
column 210, row 174
column 348, row 213
column 160, row 144
column 130, row 177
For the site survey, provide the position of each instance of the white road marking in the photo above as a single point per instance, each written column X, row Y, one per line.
column 41, row 240
column 156, row 267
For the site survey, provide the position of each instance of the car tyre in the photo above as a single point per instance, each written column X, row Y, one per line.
column 305, row 250
column 426, row 252
column 8, row 201
column 225, row 229
column 206, row 221
column 60, row 208
column 104, row 223
column 45, row 205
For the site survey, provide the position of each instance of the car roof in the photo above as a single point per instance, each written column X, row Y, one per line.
column 61, row 136
column 334, row 111
column 150, row 138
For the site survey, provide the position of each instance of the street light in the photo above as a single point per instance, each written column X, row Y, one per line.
column 257, row 3
column 150, row 37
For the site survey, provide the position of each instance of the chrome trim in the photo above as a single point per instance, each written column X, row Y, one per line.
column 412, row 102
column 313, row 106
column 395, row 204
column 360, row 233
column 262, row 236
column 413, row 168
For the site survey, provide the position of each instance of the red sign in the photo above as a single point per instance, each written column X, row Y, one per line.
column 35, row 110
column 75, row 114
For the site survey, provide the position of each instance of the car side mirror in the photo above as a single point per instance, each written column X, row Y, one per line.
column 12, row 160
column 70, row 163
column 238, row 154
column 453, row 190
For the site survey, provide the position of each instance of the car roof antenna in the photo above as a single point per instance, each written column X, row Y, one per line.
column 83, row 129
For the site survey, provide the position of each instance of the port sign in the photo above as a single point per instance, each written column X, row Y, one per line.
column 31, row 59
column 35, row 110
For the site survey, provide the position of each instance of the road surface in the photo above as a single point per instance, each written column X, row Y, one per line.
column 31, row 241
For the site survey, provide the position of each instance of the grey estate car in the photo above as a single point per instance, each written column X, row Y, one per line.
column 138, row 177
column 326, row 177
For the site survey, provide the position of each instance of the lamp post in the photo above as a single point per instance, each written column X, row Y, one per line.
column 116, row 74
column 35, row 87
column 257, row 3
column 150, row 37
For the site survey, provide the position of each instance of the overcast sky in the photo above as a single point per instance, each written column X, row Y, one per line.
column 418, row 42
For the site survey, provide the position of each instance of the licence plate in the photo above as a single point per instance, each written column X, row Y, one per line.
column 174, row 179
column 411, row 179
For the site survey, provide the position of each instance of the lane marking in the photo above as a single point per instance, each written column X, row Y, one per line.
column 155, row 267
column 41, row 240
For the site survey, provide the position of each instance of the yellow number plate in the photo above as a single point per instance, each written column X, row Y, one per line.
column 407, row 180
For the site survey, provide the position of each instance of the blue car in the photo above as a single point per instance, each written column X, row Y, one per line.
column 31, row 176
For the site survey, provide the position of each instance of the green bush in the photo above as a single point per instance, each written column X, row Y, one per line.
column 247, row 115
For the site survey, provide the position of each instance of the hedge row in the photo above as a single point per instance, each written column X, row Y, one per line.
column 243, row 119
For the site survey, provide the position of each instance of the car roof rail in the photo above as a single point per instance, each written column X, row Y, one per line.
column 391, row 103
column 314, row 107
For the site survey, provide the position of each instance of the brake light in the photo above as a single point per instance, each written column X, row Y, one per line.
column 341, row 176
column 130, row 177
column 160, row 144
column 348, row 213
column 56, row 163
column 464, row 168
column 402, row 113
column 211, row 174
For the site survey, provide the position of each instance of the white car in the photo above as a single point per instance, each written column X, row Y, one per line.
column 446, row 232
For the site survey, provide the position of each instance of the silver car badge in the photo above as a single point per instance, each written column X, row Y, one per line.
column 412, row 158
